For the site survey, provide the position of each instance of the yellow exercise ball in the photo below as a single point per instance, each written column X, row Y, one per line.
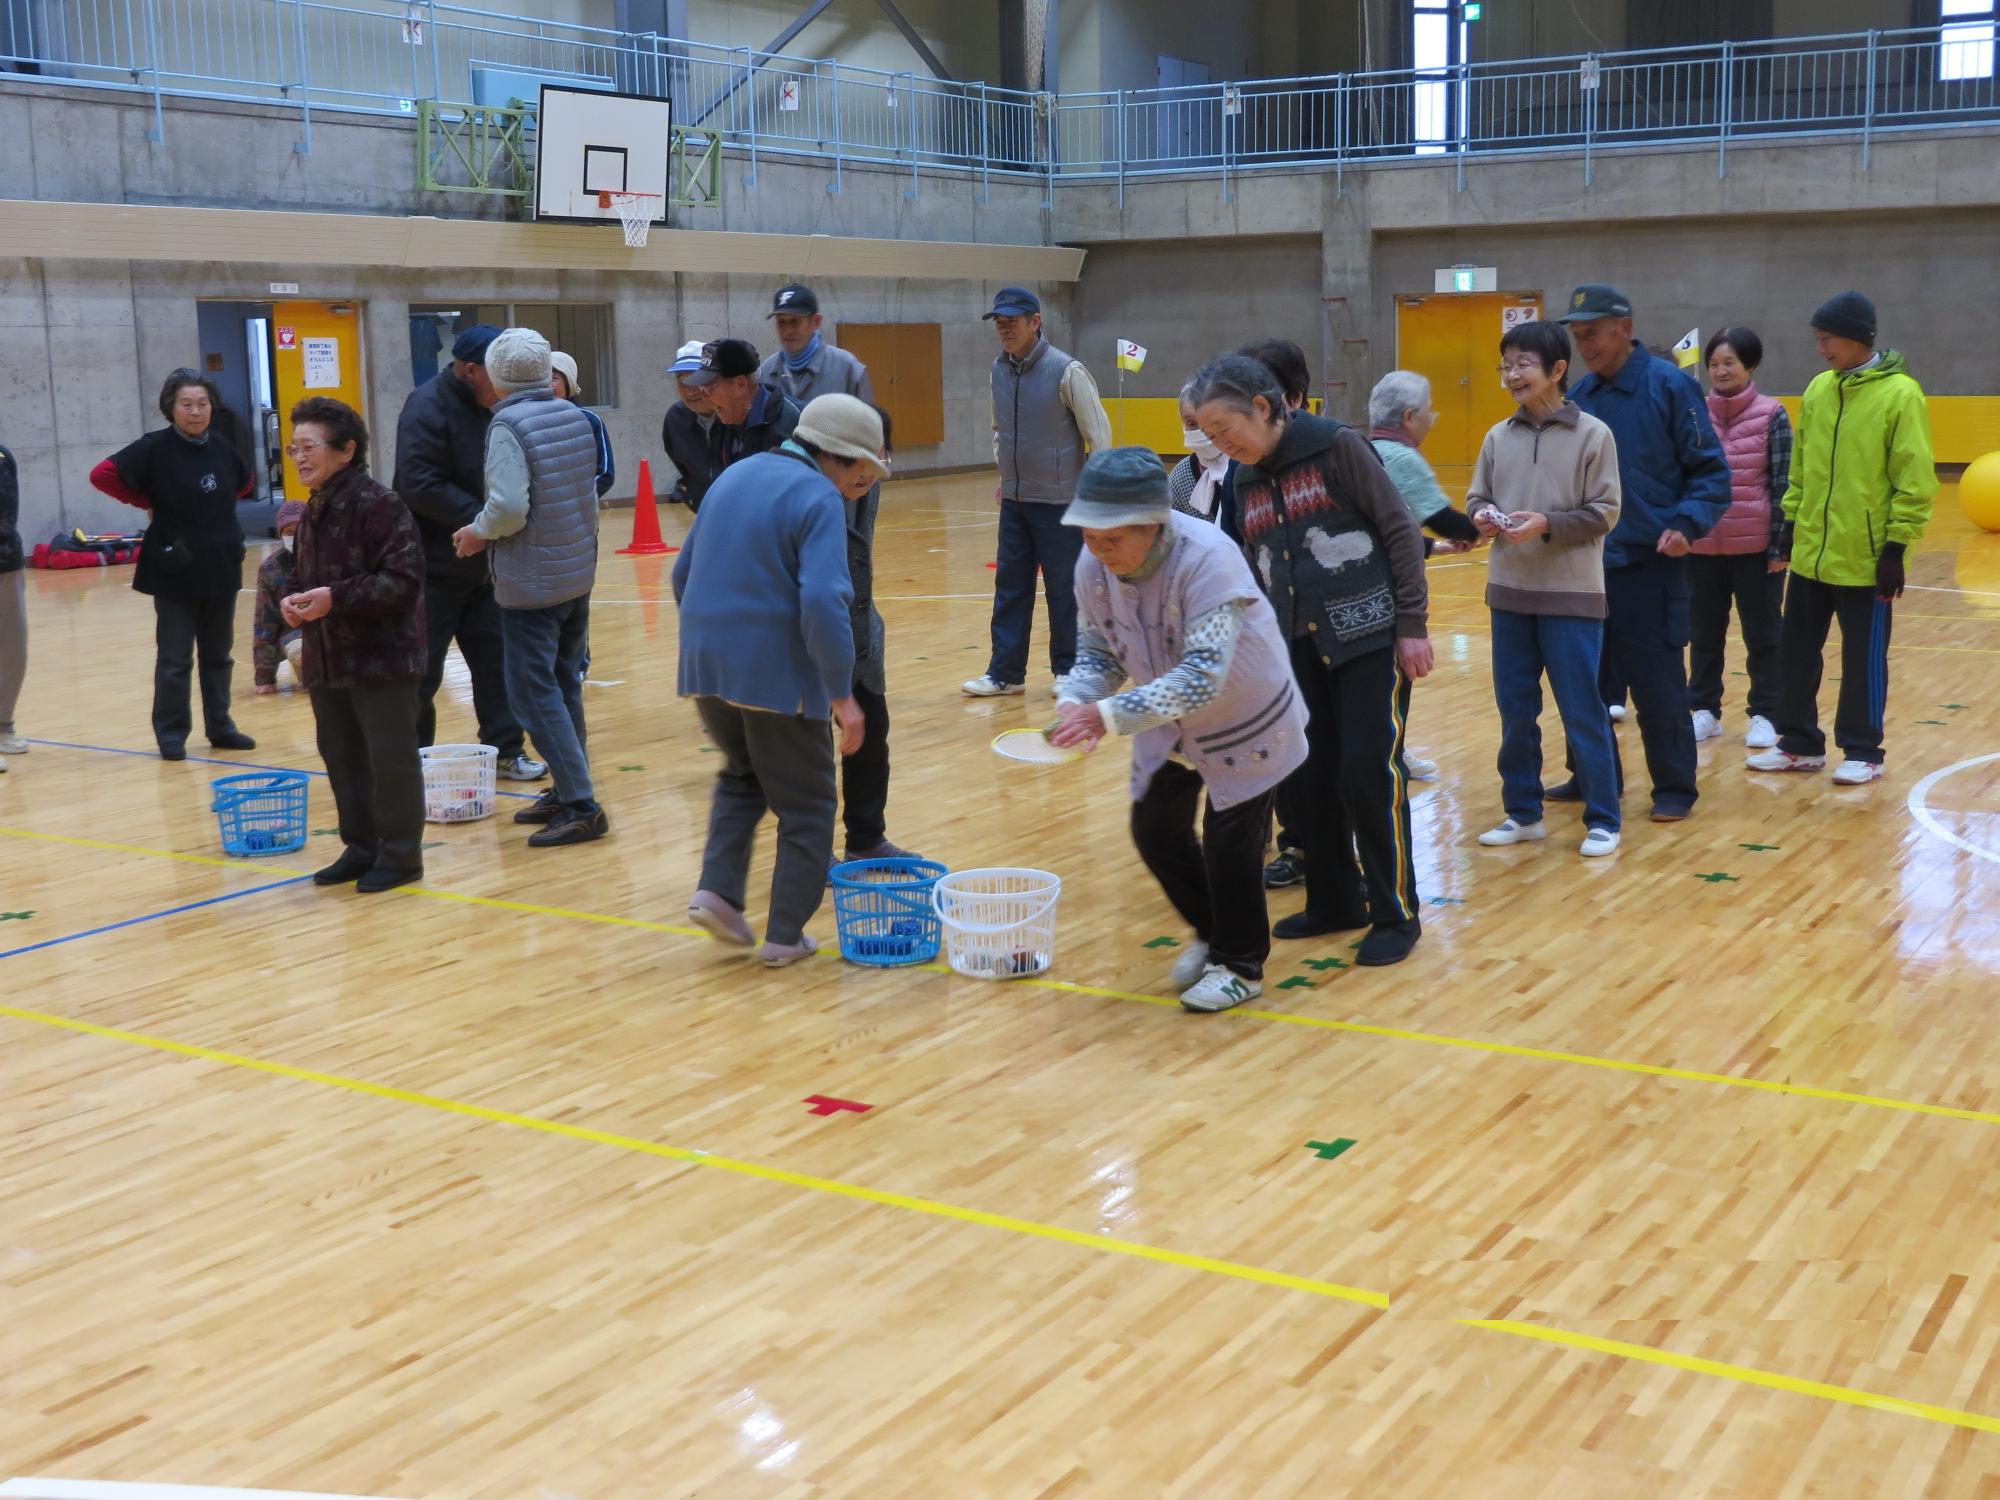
column 1979, row 492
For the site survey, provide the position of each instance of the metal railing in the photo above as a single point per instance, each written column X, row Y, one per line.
column 387, row 56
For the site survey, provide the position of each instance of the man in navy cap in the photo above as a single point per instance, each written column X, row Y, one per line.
column 1046, row 418
column 441, row 476
column 755, row 416
column 1675, row 485
column 805, row 365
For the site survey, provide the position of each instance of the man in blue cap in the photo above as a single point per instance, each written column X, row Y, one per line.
column 691, row 432
column 441, row 476
column 1046, row 417
column 1675, row 485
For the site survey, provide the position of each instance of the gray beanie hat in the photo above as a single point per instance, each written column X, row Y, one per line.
column 518, row 360
column 1120, row 487
column 846, row 427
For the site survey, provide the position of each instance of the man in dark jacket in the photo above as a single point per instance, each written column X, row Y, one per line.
column 753, row 416
column 441, row 477
column 690, row 432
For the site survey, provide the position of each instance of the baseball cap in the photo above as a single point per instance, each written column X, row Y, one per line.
column 722, row 359
column 1596, row 300
column 686, row 358
column 794, row 299
column 1013, row 302
column 472, row 344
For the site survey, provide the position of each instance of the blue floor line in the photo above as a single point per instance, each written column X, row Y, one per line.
column 209, row 760
column 172, row 911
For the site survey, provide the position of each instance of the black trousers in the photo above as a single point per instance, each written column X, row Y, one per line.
column 864, row 775
column 182, row 627
column 1645, row 653
column 368, row 739
column 1747, row 582
column 465, row 610
column 1357, row 789
column 1032, row 536
column 1290, row 801
column 1810, row 610
column 1216, row 882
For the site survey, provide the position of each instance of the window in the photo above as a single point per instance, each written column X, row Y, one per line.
column 1437, row 43
column 580, row 329
column 1965, row 39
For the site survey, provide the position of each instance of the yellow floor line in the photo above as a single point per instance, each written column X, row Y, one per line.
column 1287, row 1018
column 1103, row 1243
column 492, row 902
column 1742, row 1374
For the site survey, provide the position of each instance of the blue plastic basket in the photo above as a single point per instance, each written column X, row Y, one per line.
column 884, row 913
column 261, row 812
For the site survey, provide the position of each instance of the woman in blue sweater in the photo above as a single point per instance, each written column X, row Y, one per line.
column 767, row 652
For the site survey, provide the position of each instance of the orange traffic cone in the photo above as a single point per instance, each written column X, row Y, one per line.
column 646, row 538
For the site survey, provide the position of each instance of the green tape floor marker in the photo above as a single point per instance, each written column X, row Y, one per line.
column 1297, row 982
column 1716, row 877
column 1163, row 942
column 1328, row 1150
column 1323, row 964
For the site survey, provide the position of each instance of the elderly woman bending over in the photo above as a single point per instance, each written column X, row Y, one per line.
column 1168, row 603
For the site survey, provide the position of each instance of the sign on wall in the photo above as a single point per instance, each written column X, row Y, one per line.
column 288, row 337
column 1519, row 313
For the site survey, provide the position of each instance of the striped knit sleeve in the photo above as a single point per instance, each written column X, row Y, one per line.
column 1191, row 684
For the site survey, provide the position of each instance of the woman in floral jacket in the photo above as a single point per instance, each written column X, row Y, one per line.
column 359, row 600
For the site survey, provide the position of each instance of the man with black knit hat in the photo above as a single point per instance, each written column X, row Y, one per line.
column 1847, row 527
column 441, row 477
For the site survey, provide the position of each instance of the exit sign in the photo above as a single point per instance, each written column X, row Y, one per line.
column 1467, row 279
column 1474, row 10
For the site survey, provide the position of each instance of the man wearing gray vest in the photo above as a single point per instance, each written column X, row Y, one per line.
column 805, row 365
column 541, row 518
column 1046, row 416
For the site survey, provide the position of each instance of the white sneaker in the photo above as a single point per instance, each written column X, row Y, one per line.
column 13, row 744
column 1854, row 772
column 1510, row 832
column 985, row 686
column 1190, row 966
column 1706, row 725
column 523, row 767
column 720, row 920
column 1421, row 769
column 1784, row 760
column 1761, row 735
column 1617, row 713
column 1599, row 841
column 1219, row 989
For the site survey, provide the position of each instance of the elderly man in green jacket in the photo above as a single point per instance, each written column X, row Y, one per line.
column 1862, row 484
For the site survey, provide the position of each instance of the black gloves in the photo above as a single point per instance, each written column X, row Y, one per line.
column 1889, row 571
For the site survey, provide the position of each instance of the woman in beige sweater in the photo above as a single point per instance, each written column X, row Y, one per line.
column 1546, row 488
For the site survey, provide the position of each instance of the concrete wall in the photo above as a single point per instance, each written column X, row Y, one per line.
column 965, row 37
column 1116, row 44
column 1187, row 302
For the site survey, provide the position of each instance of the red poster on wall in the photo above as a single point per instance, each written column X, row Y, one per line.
column 288, row 338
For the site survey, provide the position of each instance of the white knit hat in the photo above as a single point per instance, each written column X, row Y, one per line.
column 846, row 427
column 565, row 365
column 518, row 360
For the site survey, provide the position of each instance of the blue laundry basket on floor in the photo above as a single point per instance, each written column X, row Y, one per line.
column 261, row 812
column 884, row 912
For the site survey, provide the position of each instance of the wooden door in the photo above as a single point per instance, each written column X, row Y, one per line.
column 315, row 351
column 906, row 363
column 1453, row 339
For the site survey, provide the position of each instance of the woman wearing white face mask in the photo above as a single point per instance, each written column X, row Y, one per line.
column 1200, row 483
column 273, row 641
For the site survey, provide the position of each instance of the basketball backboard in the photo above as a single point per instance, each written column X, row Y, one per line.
column 589, row 142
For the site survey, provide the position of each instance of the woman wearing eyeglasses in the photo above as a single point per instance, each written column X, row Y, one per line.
column 188, row 478
column 359, row 603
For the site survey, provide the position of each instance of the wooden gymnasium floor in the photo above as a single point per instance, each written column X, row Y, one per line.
column 1671, row 1175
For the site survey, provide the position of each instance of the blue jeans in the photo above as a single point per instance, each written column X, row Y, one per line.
column 1032, row 534
column 1568, row 650
column 546, row 650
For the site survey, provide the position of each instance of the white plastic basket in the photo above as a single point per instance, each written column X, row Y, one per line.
column 459, row 782
column 998, row 924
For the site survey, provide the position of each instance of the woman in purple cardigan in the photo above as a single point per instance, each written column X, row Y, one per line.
column 1168, row 603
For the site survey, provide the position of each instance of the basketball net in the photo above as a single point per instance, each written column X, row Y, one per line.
column 635, row 214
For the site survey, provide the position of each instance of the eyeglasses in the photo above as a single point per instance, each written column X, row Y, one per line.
column 1521, row 366
column 300, row 450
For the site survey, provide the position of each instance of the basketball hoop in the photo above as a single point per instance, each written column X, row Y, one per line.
column 635, row 213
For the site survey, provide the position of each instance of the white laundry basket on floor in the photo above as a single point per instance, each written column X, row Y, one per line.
column 998, row 924
column 460, row 782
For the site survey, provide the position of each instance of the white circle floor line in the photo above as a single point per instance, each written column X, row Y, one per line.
column 1920, row 809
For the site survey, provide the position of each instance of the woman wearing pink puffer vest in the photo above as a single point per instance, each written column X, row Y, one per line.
column 1741, row 560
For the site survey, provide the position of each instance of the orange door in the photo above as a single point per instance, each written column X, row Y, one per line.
column 315, row 351
column 1453, row 339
